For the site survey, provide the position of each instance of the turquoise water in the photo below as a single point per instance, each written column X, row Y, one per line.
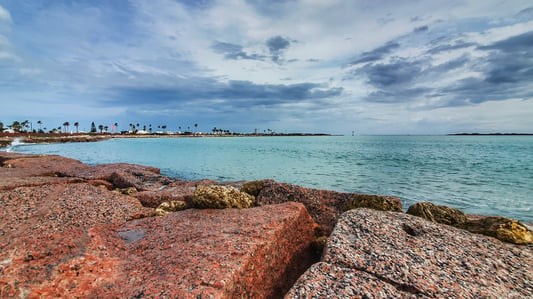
column 491, row 175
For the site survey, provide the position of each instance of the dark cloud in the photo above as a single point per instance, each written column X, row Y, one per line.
column 234, row 52
column 421, row 29
column 377, row 53
column 276, row 45
column 506, row 72
column 519, row 43
column 510, row 60
column 398, row 71
column 233, row 93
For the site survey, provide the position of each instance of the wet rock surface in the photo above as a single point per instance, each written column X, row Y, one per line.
column 376, row 254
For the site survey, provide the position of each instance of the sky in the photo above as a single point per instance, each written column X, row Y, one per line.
column 318, row 66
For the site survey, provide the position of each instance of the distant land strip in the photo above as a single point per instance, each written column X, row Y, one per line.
column 491, row 134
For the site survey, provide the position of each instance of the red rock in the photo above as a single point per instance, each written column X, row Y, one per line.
column 34, row 170
column 324, row 206
column 227, row 253
column 178, row 190
column 123, row 175
column 372, row 253
column 43, row 228
column 47, row 165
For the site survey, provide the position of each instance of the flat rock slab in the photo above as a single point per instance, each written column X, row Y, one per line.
column 376, row 254
column 51, row 248
column 42, row 228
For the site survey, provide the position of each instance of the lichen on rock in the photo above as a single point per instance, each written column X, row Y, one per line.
column 501, row 228
column 437, row 213
column 169, row 207
column 253, row 187
column 375, row 202
column 221, row 197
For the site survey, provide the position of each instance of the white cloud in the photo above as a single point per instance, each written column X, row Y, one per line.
column 163, row 43
column 4, row 15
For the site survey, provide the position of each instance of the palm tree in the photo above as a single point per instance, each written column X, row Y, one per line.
column 106, row 128
column 40, row 123
column 66, row 124
column 25, row 124
column 77, row 125
column 196, row 127
column 116, row 126
column 101, row 128
column 15, row 126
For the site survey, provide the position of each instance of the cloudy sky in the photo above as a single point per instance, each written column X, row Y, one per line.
column 332, row 66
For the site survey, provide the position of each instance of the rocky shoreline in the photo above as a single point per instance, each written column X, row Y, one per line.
column 68, row 229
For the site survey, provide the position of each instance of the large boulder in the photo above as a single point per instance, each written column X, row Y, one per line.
column 501, row 228
column 221, row 197
column 18, row 170
column 123, row 175
column 375, row 254
column 324, row 206
column 230, row 253
column 33, row 170
column 437, row 213
column 43, row 228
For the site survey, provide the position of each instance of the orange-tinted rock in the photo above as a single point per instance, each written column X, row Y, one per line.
column 42, row 228
column 34, row 170
column 48, row 165
column 64, row 250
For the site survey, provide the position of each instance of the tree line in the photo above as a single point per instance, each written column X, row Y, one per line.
column 134, row 128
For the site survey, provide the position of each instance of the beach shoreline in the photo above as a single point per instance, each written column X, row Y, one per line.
column 7, row 139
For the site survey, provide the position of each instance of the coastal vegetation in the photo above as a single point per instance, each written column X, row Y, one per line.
column 27, row 129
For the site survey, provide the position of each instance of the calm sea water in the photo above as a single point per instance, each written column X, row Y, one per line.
column 491, row 175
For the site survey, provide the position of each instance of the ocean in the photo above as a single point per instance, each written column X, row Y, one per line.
column 489, row 175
